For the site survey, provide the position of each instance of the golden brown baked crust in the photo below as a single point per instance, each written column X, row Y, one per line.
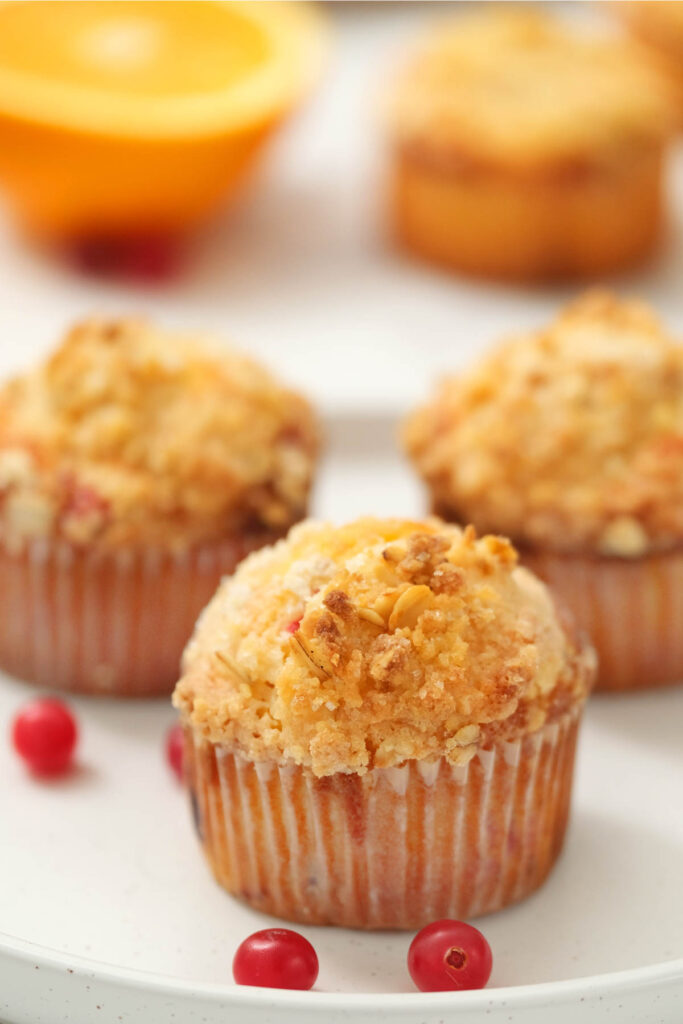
column 524, row 92
column 568, row 438
column 129, row 435
column 368, row 645
column 658, row 26
column 657, row 23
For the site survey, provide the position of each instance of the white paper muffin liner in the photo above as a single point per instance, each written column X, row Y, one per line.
column 106, row 622
column 395, row 848
column 632, row 609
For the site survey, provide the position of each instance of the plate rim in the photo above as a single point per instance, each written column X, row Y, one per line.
column 517, row 997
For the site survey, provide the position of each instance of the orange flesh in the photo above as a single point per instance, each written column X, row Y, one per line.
column 142, row 116
column 137, row 47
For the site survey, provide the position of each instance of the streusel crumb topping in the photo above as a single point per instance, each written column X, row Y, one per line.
column 385, row 640
column 569, row 438
column 131, row 435
column 526, row 90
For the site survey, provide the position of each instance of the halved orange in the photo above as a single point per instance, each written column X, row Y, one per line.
column 142, row 115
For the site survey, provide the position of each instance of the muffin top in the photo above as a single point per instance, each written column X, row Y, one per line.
column 129, row 435
column 527, row 91
column 568, row 438
column 657, row 21
column 345, row 648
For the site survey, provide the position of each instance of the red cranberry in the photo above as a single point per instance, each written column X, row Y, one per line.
column 293, row 627
column 44, row 734
column 175, row 744
column 276, row 958
column 150, row 258
column 449, row 955
column 153, row 259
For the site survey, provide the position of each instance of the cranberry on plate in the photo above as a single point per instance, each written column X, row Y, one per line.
column 44, row 734
column 276, row 958
column 174, row 749
column 449, row 955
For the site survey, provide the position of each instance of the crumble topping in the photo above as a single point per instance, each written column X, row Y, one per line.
column 526, row 90
column 344, row 648
column 569, row 438
column 129, row 434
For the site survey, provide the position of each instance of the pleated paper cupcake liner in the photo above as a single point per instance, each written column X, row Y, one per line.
column 106, row 622
column 395, row 848
column 631, row 608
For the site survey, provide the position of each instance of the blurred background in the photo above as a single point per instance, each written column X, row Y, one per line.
column 298, row 270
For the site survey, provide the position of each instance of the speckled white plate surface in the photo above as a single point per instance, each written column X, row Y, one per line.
column 107, row 911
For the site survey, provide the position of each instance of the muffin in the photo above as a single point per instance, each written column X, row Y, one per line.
column 136, row 469
column 524, row 149
column 659, row 27
column 380, row 725
column 570, row 440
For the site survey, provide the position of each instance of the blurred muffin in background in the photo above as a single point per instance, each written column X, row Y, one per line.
column 380, row 725
column 659, row 26
column 136, row 469
column 525, row 149
column 570, row 441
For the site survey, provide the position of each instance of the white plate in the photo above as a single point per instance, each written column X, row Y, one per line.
column 108, row 911
column 116, row 917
